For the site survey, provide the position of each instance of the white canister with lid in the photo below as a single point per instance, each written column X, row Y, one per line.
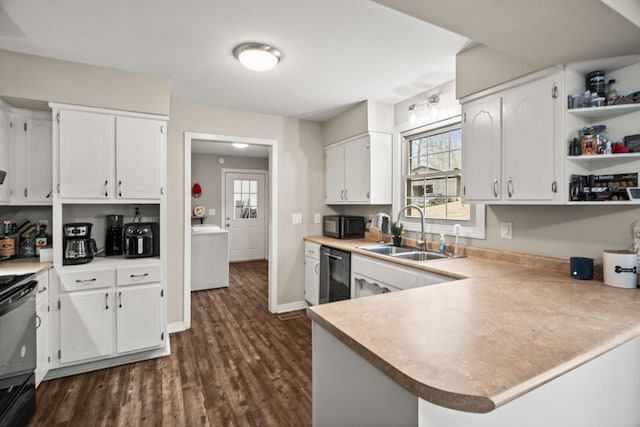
column 620, row 268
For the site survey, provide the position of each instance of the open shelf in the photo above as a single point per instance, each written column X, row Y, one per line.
column 601, row 113
column 600, row 157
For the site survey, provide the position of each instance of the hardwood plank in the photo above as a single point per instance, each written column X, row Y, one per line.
column 238, row 365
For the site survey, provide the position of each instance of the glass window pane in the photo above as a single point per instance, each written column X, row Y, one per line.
column 245, row 186
column 237, row 186
column 237, row 200
column 438, row 143
column 439, row 162
column 456, row 139
column 253, row 186
column 253, row 200
column 456, row 160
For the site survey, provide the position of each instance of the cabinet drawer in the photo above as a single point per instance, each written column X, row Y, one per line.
column 312, row 250
column 384, row 272
column 134, row 275
column 87, row 279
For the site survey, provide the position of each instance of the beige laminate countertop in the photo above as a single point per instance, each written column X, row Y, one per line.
column 477, row 343
column 23, row 266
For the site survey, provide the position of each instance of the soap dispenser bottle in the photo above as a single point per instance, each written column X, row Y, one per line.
column 441, row 246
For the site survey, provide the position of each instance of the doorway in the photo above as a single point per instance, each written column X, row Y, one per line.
column 270, row 194
column 245, row 210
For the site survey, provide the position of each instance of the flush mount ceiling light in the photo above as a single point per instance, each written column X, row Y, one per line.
column 240, row 145
column 257, row 56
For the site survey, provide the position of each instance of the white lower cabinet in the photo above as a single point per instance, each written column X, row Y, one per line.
column 42, row 326
column 372, row 276
column 138, row 319
column 86, row 326
column 108, row 312
column 312, row 273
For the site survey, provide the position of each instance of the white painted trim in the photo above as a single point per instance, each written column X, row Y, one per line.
column 292, row 306
column 55, row 105
column 223, row 199
column 174, row 327
column 273, row 224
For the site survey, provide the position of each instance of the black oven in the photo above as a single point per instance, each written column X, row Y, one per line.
column 343, row 227
column 17, row 349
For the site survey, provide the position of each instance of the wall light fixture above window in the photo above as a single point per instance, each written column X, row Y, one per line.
column 257, row 56
column 432, row 103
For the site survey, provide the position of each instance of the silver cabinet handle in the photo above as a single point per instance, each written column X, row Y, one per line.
column 119, row 299
column 133, row 276
column 495, row 187
column 119, row 188
column 316, row 268
column 106, row 301
column 346, row 194
column 38, row 321
column 25, row 193
column 106, row 192
column 50, row 193
column 510, row 187
column 554, row 187
column 86, row 280
column 42, row 290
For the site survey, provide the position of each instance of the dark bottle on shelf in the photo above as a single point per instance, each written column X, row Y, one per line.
column 7, row 242
column 41, row 239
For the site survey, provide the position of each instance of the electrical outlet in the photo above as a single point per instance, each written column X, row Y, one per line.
column 317, row 218
column 506, row 230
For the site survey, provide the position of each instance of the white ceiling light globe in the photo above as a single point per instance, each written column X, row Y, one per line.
column 257, row 56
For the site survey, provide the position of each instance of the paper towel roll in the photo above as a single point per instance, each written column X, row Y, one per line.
column 620, row 268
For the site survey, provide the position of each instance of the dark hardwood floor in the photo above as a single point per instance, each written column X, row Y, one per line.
column 238, row 365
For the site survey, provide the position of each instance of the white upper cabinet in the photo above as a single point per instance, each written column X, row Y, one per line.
column 482, row 140
column 138, row 153
column 107, row 156
column 512, row 151
column 86, row 154
column 31, row 172
column 5, row 154
column 358, row 170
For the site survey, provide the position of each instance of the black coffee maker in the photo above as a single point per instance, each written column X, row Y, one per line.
column 79, row 247
column 113, row 238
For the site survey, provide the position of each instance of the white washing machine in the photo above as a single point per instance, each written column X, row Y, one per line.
column 209, row 257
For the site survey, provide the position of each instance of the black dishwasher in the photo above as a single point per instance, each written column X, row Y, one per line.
column 335, row 275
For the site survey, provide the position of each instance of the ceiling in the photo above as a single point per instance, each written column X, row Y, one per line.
column 336, row 52
column 221, row 148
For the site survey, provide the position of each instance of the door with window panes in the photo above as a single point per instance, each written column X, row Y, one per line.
column 433, row 178
column 245, row 215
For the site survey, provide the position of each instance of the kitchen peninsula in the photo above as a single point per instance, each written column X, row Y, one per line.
column 512, row 343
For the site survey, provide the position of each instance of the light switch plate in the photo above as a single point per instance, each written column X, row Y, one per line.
column 506, row 230
column 296, row 218
column 212, row 212
column 317, row 218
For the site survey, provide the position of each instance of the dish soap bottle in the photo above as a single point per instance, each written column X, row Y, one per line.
column 441, row 246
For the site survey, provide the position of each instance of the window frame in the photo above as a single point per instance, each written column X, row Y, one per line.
column 474, row 228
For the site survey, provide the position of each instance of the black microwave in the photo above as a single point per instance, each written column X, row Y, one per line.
column 343, row 227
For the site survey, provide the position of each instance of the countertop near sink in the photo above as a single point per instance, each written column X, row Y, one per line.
column 23, row 266
column 480, row 342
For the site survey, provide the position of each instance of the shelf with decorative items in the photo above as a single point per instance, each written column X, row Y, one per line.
column 603, row 142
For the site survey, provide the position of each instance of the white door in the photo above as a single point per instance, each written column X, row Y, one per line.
column 86, row 325
column 5, row 154
column 139, row 145
column 481, row 139
column 245, row 212
column 139, row 322
column 334, row 174
column 529, row 121
column 87, row 152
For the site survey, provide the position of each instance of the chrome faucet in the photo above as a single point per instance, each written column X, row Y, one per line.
column 422, row 243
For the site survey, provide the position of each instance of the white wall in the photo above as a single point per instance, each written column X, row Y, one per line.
column 206, row 171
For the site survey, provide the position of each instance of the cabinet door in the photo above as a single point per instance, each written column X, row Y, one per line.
column 139, row 318
column 87, row 150
column 529, row 140
column 42, row 336
column 481, row 141
column 366, row 287
column 39, row 163
column 357, row 170
column 5, row 154
column 312, row 281
column 139, row 147
column 334, row 174
column 86, row 326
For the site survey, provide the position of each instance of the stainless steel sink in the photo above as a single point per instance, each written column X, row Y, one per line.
column 409, row 254
column 421, row 255
column 387, row 250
